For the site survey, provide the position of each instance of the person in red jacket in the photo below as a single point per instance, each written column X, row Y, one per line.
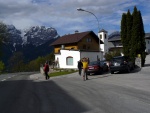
column 46, row 70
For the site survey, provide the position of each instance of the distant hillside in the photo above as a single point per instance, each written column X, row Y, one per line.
column 33, row 42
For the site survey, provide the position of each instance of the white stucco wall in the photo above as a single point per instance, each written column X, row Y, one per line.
column 104, row 47
column 110, row 44
column 92, row 55
column 64, row 54
column 77, row 55
column 101, row 45
column 147, row 41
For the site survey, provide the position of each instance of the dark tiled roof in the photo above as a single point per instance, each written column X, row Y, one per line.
column 73, row 38
column 147, row 35
column 102, row 30
column 115, row 38
column 114, row 34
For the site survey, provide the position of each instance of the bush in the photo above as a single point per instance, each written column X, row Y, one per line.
column 108, row 56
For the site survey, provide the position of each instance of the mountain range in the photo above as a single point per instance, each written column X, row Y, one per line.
column 32, row 42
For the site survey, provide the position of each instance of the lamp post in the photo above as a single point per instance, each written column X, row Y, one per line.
column 80, row 9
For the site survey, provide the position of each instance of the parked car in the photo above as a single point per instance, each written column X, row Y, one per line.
column 105, row 65
column 121, row 63
column 97, row 67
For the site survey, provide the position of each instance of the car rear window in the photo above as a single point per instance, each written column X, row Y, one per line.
column 102, row 63
column 93, row 63
column 118, row 59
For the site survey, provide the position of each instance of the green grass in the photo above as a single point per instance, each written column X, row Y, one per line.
column 61, row 73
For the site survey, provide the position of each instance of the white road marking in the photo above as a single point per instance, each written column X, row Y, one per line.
column 3, row 80
column 8, row 77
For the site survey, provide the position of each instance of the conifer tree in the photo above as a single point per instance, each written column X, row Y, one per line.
column 124, row 32
column 138, row 36
column 133, row 35
column 142, row 40
column 128, row 33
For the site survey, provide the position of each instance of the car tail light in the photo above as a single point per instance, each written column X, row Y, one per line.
column 125, row 62
column 89, row 67
column 96, row 67
column 109, row 63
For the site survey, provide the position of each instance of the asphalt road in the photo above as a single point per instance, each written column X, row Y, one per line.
column 117, row 93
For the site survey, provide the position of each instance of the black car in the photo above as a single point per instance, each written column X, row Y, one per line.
column 104, row 65
column 97, row 67
column 121, row 63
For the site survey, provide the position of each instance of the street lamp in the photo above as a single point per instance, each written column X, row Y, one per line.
column 80, row 9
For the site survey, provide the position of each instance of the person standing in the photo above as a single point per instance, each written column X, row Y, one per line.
column 46, row 70
column 85, row 67
column 80, row 67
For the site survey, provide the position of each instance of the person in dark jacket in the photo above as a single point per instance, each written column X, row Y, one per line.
column 46, row 70
column 80, row 67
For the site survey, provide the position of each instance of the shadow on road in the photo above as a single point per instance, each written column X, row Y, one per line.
column 108, row 74
column 26, row 96
column 146, row 65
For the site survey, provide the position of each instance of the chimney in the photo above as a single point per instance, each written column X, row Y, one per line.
column 76, row 31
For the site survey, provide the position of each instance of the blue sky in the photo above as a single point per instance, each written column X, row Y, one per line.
column 64, row 17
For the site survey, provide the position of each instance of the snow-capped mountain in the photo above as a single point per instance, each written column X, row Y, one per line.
column 36, row 35
column 32, row 42
column 14, row 35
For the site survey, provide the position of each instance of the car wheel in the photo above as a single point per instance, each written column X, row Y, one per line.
column 107, row 69
column 112, row 72
column 133, row 67
column 128, row 69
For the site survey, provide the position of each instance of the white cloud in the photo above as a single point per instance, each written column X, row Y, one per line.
column 63, row 15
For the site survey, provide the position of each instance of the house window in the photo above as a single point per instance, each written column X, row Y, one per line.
column 88, row 40
column 62, row 46
column 84, row 46
column 105, row 36
column 88, row 47
column 69, row 60
column 100, row 36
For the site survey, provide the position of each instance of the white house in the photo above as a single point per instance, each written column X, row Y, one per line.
column 147, row 41
column 103, row 35
column 68, row 59
column 114, row 41
column 69, row 49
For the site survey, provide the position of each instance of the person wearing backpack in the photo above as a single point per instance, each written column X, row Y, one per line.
column 46, row 70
